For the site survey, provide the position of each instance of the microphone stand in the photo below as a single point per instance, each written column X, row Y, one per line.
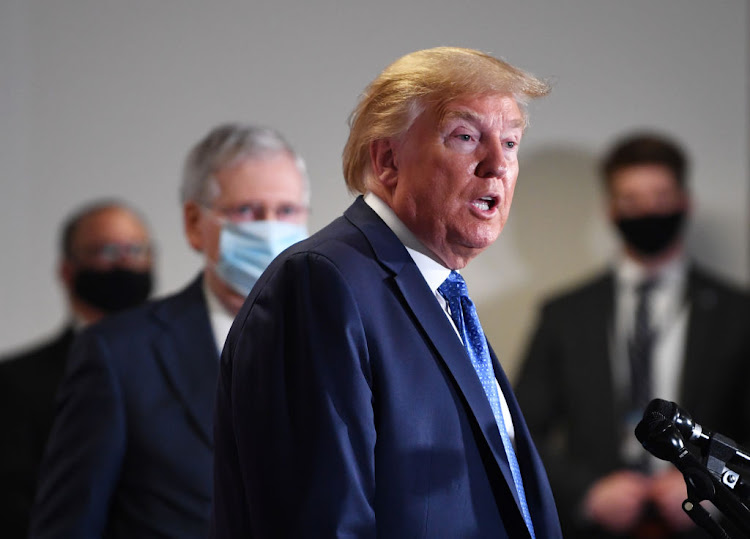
column 701, row 485
column 706, row 479
column 715, row 482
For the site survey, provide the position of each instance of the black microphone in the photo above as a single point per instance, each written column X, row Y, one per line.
column 658, row 433
column 660, row 436
column 692, row 431
column 663, row 432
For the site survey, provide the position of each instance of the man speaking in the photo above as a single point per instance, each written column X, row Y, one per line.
column 358, row 396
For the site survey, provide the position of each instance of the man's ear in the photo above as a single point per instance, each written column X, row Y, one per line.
column 192, row 220
column 611, row 212
column 66, row 273
column 384, row 161
column 688, row 205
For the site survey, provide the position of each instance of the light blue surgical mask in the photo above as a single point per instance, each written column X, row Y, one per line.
column 246, row 249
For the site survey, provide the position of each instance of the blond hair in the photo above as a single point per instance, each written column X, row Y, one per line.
column 426, row 78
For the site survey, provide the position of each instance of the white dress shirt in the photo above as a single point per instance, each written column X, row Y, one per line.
column 668, row 316
column 221, row 319
column 432, row 271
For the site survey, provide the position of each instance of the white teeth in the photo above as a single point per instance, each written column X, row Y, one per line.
column 481, row 204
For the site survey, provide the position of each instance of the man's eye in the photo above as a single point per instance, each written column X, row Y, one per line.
column 465, row 138
column 244, row 210
column 511, row 144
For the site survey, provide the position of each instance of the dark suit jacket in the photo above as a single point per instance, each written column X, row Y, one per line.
column 130, row 453
column 28, row 384
column 566, row 384
column 347, row 406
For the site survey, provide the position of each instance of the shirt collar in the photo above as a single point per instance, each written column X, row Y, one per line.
column 221, row 319
column 630, row 274
column 432, row 270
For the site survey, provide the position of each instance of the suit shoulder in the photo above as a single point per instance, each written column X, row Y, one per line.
column 707, row 286
column 122, row 325
column 577, row 295
column 340, row 244
column 140, row 322
column 36, row 356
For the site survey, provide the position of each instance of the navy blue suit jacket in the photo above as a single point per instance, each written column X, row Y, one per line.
column 348, row 407
column 130, row 452
column 28, row 385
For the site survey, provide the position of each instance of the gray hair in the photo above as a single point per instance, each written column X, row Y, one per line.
column 226, row 145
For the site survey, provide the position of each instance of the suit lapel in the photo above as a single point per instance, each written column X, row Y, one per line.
column 433, row 321
column 538, row 491
column 441, row 334
column 186, row 350
column 701, row 300
column 597, row 319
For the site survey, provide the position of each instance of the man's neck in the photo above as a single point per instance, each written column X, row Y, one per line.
column 402, row 232
column 653, row 264
column 84, row 314
column 226, row 297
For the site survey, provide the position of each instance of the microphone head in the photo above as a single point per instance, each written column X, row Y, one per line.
column 657, row 431
column 660, row 407
column 689, row 429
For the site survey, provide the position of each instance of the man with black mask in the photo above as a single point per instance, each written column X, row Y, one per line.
column 654, row 325
column 105, row 266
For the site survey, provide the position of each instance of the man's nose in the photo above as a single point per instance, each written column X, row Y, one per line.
column 494, row 162
column 652, row 204
column 265, row 213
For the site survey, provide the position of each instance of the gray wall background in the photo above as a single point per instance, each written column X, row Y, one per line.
column 102, row 98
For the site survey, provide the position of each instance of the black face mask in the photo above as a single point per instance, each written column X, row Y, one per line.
column 112, row 290
column 651, row 234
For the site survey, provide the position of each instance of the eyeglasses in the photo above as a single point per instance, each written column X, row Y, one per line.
column 108, row 253
column 262, row 212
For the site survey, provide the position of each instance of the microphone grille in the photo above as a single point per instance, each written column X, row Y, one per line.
column 656, row 417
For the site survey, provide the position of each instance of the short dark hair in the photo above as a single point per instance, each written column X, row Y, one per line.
column 645, row 149
column 72, row 222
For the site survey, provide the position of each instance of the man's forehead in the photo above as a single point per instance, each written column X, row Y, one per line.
column 259, row 179
column 484, row 110
column 645, row 175
column 107, row 218
column 111, row 231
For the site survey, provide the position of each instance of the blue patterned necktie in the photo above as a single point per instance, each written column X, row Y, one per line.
column 464, row 315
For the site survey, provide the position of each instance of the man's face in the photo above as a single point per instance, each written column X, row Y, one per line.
column 455, row 176
column 110, row 238
column 104, row 242
column 643, row 190
column 648, row 206
column 259, row 189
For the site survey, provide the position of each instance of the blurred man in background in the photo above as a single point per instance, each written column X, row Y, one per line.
column 105, row 266
column 131, row 449
column 654, row 325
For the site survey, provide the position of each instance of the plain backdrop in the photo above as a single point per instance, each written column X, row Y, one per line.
column 104, row 98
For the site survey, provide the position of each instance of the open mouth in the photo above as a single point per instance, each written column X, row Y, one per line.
column 485, row 203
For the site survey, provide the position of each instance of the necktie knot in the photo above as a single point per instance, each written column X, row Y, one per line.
column 454, row 287
column 646, row 286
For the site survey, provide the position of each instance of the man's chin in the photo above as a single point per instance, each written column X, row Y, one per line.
column 479, row 242
column 235, row 302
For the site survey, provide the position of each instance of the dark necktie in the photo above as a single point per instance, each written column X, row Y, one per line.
column 465, row 317
column 641, row 347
